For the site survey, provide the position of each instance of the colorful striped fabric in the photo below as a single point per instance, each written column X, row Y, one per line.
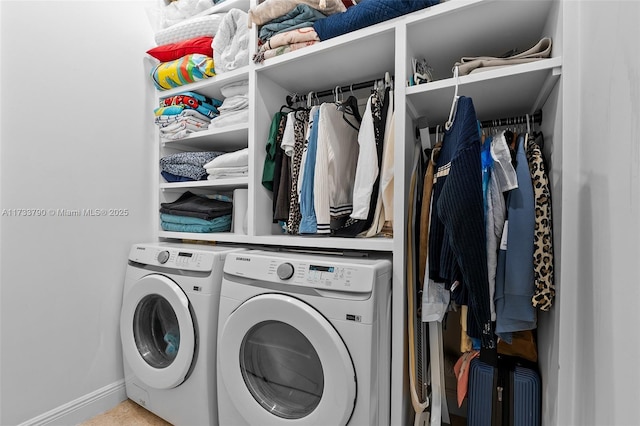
column 188, row 69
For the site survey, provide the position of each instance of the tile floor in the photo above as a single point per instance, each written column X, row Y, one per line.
column 127, row 413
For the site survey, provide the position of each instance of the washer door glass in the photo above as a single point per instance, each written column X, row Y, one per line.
column 281, row 369
column 281, row 362
column 156, row 331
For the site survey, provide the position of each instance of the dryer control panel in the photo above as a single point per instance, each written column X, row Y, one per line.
column 174, row 258
column 314, row 272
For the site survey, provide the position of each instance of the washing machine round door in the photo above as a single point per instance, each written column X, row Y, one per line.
column 157, row 332
column 283, row 363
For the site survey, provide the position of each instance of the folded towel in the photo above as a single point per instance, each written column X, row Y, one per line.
column 230, row 159
column 234, row 103
column 227, row 172
column 236, row 88
column 541, row 50
column 231, row 42
column 229, row 119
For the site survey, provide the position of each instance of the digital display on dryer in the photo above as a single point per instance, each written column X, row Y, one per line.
column 182, row 253
column 321, row 268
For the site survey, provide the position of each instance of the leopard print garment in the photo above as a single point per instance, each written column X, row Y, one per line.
column 543, row 237
column 299, row 130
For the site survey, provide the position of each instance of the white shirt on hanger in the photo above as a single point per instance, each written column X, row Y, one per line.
column 367, row 166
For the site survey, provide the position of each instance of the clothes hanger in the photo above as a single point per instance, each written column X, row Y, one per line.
column 292, row 99
column 338, row 98
column 454, row 103
column 310, row 99
column 348, row 107
column 388, row 81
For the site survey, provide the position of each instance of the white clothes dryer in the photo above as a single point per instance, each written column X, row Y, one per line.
column 304, row 340
column 168, row 326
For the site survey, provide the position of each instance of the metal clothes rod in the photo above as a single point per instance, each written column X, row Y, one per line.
column 293, row 98
column 536, row 118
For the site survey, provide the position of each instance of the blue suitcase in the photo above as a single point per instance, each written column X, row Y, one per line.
column 506, row 395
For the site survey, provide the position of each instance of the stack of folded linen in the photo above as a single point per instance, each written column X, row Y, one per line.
column 185, row 113
column 231, row 42
column 287, row 25
column 235, row 107
column 180, row 10
column 231, row 164
column 286, row 42
column 186, row 166
column 197, row 213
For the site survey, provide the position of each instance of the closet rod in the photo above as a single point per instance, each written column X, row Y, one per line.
column 536, row 118
column 293, row 98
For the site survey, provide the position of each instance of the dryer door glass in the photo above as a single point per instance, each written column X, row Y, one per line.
column 156, row 331
column 281, row 369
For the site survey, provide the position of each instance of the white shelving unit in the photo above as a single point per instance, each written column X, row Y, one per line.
column 442, row 34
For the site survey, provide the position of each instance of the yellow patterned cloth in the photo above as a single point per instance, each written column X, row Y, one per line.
column 188, row 69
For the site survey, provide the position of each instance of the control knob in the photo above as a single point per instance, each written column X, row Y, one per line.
column 285, row 271
column 163, row 256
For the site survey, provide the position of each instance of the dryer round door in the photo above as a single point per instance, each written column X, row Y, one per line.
column 157, row 332
column 283, row 363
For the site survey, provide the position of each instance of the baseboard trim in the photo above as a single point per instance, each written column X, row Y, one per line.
column 83, row 408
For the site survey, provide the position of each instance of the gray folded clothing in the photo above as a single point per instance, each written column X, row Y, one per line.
column 188, row 164
column 541, row 50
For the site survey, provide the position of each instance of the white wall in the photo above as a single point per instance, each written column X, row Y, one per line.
column 599, row 334
column 72, row 137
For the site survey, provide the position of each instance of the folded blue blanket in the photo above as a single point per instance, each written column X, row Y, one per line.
column 177, row 223
column 170, row 177
column 188, row 220
column 366, row 13
column 301, row 16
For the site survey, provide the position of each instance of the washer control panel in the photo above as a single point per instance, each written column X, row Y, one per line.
column 171, row 257
column 322, row 273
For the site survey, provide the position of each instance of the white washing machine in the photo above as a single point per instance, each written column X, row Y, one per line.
column 304, row 340
column 168, row 327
